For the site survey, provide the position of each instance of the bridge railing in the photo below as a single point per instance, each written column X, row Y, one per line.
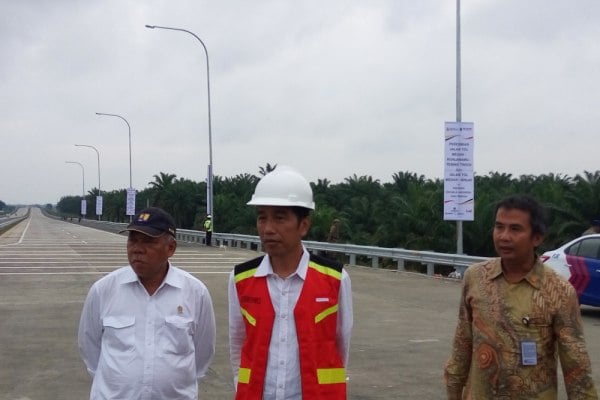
column 7, row 222
column 376, row 254
column 399, row 256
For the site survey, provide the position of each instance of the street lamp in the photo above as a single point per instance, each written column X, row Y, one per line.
column 459, row 224
column 209, row 205
column 129, row 130
column 99, row 198
column 130, row 192
column 83, row 210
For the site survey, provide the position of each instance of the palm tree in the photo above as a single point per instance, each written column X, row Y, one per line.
column 403, row 179
column 182, row 198
column 583, row 204
column 160, row 186
column 162, row 180
column 266, row 169
column 233, row 194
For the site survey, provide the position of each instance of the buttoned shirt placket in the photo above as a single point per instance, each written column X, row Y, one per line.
column 149, row 343
column 283, row 290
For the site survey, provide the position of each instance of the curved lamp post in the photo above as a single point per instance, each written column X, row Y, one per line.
column 82, row 184
column 82, row 175
column 209, row 205
column 130, row 191
column 98, row 211
column 129, row 130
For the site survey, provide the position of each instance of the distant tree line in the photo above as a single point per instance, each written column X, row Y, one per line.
column 406, row 212
column 6, row 209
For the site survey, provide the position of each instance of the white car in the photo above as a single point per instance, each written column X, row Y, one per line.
column 579, row 262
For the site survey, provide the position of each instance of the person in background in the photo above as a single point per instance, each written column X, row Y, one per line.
column 515, row 317
column 594, row 228
column 333, row 237
column 208, row 229
column 290, row 312
column 147, row 330
column 334, row 232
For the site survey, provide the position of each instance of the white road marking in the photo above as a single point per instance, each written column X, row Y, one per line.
column 24, row 231
column 100, row 273
column 82, row 264
column 108, row 266
column 69, row 251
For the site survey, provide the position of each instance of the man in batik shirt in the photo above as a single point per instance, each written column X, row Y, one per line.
column 515, row 315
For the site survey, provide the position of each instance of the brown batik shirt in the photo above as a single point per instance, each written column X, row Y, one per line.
column 496, row 317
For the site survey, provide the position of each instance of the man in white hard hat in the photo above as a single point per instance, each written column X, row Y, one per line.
column 290, row 312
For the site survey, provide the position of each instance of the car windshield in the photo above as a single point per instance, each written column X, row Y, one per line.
column 588, row 248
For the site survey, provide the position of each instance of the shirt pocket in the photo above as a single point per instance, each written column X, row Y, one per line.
column 119, row 332
column 537, row 328
column 177, row 338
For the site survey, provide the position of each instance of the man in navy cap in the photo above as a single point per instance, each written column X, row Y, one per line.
column 147, row 330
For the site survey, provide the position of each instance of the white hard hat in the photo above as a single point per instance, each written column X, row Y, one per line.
column 283, row 186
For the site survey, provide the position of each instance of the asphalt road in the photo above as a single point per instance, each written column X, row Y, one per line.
column 402, row 334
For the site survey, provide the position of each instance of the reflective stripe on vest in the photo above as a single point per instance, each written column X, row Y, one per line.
column 251, row 320
column 325, row 313
column 331, row 375
column 245, row 275
column 325, row 270
column 244, row 375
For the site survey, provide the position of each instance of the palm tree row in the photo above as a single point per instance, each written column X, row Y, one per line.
column 406, row 212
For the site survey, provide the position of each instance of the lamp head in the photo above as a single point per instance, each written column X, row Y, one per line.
column 150, row 26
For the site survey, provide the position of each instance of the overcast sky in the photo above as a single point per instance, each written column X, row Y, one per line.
column 333, row 88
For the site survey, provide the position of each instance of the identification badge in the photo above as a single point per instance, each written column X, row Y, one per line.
column 528, row 353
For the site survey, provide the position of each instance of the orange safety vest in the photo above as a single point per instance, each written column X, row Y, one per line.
column 322, row 371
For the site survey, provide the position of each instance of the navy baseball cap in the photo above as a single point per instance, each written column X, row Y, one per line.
column 153, row 222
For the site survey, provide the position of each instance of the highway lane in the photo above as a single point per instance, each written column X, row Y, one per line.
column 402, row 333
column 45, row 246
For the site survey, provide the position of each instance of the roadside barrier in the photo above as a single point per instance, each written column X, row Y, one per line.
column 399, row 256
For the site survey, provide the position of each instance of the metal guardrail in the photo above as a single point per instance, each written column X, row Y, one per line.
column 376, row 254
column 6, row 223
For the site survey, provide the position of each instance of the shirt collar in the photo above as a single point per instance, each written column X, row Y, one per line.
column 172, row 278
column 265, row 268
column 535, row 276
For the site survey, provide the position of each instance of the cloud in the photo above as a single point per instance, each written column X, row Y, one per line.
column 333, row 88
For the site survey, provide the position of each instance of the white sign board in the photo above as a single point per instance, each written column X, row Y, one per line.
column 459, row 194
column 83, row 207
column 98, row 205
column 130, row 207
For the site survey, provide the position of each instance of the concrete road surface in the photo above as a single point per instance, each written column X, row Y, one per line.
column 402, row 335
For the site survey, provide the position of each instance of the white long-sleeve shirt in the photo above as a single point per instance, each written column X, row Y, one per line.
column 137, row 346
column 282, row 380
